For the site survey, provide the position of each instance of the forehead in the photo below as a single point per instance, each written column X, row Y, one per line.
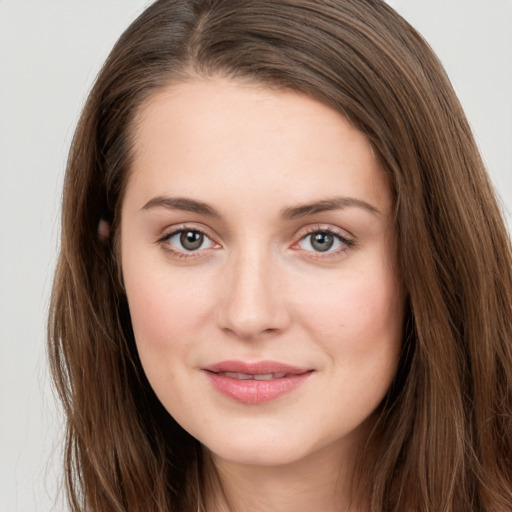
column 196, row 136
column 226, row 106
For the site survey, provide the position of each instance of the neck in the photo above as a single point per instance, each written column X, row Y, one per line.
column 320, row 481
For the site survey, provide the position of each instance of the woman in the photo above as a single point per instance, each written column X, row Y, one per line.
column 284, row 282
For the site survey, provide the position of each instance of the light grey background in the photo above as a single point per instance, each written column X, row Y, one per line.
column 50, row 52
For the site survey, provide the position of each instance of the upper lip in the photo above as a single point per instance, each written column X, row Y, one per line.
column 255, row 368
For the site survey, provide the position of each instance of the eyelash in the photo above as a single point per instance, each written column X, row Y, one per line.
column 346, row 243
column 182, row 254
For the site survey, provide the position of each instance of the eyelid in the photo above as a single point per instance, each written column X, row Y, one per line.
column 175, row 229
column 324, row 228
column 347, row 239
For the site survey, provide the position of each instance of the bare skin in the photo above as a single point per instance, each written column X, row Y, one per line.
column 257, row 226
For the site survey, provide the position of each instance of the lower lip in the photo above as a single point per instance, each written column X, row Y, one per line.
column 256, row 391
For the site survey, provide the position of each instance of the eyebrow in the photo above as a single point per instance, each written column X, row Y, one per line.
column 335, row 203
column 191, row 205
column 182, row 203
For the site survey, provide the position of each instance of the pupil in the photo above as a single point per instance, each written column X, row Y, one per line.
column 191, row 240
column 322, row 241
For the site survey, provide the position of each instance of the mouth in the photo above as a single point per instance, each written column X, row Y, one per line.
column 255, row 383
column 248, row 376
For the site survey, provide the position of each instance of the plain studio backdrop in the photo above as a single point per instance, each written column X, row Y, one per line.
column 50, row 52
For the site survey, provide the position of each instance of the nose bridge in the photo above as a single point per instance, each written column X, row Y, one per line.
column 252, row 302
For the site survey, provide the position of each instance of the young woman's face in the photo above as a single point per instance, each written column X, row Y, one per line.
column 257, row 249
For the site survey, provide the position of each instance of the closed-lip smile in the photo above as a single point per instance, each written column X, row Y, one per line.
column 255, row 382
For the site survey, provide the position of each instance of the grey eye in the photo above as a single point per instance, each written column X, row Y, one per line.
column 191, row 240
column 322, row 241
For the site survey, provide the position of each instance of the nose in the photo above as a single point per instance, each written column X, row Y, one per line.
column 253, row 300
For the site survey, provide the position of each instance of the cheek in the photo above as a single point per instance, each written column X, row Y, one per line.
column 164, row 311
column 356, row 317
column 166, row 320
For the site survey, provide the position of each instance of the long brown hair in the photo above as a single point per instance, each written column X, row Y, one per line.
column 443, row 440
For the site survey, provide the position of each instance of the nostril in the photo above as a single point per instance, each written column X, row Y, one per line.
column 248, row 305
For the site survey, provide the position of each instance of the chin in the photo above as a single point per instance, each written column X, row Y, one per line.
column 263, row 449
column 258, row 455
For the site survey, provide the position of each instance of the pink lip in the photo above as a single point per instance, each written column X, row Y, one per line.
column 256, row 391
